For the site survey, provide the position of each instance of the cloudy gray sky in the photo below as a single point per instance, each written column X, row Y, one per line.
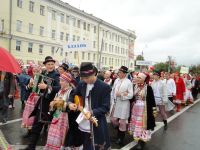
column 163, row 27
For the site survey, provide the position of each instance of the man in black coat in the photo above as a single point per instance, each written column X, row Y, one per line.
column 96, row 102
column 195, row 87
column 7, row 90
column 47, row 94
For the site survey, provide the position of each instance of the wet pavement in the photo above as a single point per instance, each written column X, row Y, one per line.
column 182, row 133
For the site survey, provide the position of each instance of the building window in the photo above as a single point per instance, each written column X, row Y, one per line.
column 115, row 49
column 109, row 61
column 88, row 27
column 84, row 25
column 53, row 14
column 61, row 35
column 95, row 29
column 112, row 48
column 73, row 21
column 41, row 10
column 105, row 60
column 52, row 50
column 67, row 37
column 40, row 49
column 62, row 18
column 75, row 54
column 30, row 28
column 61, row 52
column 94, row 57
column 74, row 38
column 109, row 47
column 88, row 56
column 79, row 23
column 94, row 44
column 102, row 60
column 19, row 26
column 31, row 6
column 18, row 45
column 30, row 47
column 66, row 54
column 67, row 19
column 83, row 55
column 106, row 45
column 78, row 38
column 19, row 3
column 53, row 34
column 41, row 31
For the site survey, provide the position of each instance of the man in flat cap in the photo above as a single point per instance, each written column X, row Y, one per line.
column 96, row 102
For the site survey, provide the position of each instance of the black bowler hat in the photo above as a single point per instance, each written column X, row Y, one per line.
column 64, row 66
column 158, row 73
column 86, row 69
column 124, row 69
column 48, row 59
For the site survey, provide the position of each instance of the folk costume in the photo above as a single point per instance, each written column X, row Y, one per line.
column 42, row 106
column 96, row 99
column 180, row 91
column 143, row 112
column 160, row 95
column 121, row 108
column 59, row 125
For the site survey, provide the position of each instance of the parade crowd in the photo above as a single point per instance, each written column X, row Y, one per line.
column 73, row 105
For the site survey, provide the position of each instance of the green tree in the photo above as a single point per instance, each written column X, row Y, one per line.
column 161, row 66
column 139, row 57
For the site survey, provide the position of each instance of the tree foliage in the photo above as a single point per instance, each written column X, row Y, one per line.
column 161, row 66
column 195, row 69
column 139, row 57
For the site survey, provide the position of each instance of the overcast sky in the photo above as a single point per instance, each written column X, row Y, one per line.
column 163, row 27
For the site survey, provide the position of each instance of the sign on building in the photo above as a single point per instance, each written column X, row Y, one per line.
column 143, row 63
column 78, row 46
column 184, row 70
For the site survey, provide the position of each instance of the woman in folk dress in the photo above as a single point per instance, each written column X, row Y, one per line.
column 143, row 112
column 59, row 125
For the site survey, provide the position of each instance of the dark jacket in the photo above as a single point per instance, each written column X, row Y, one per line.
column 8, row 88
column 150, row 105
column 100, row 104
column 23, row 80
column 48, row 97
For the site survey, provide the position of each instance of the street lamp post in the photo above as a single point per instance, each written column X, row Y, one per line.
column 101, row 50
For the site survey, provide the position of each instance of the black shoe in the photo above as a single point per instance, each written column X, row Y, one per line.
column 140, row 145
column 165, row 124
column 119, row 142
column 4, row 120
column 27, row 135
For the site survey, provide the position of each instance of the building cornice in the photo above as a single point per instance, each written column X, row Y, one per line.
column 90, row 16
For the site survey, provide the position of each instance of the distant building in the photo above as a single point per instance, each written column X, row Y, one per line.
column 33, row 29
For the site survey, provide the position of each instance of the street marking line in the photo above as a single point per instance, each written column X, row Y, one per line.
column 133, row 143
column 11, row 121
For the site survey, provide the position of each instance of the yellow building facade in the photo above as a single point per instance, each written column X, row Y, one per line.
column 34, row 29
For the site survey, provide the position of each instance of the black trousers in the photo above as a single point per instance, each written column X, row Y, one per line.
column 36, row 130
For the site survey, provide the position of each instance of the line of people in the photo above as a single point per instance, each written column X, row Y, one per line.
column 130, row 100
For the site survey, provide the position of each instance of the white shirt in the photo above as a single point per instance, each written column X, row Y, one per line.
column 122, row 86
column 84, row 125
column 171, row 87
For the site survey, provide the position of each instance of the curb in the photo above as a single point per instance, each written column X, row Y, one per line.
column 160, row 125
